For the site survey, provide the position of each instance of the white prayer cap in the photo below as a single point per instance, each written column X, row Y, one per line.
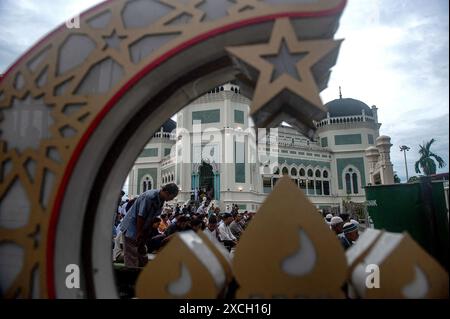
column 354, row 222
column 336, row 220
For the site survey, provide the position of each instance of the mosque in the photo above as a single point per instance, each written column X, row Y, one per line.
column 212, row 147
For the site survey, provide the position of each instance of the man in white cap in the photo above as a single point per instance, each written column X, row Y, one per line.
column 328, row 219
column 336, row 224
column 350, row 231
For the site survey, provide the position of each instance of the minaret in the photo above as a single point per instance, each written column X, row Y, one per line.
column 372, row 155
column 375, row 113
column 383, row 144
column 340, row 93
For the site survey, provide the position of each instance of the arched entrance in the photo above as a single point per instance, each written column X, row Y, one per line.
column 206, row 179
column 101, row 91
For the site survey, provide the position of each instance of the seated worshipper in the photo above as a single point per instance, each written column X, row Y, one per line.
column 151, row 243
column 236, row 227
column 197, row 224
column 328, row 219
column 164, row 223
column 174, row 218
column 136, row 226
column 201, row 209
column 211, row 228
column 182, row 224
column 350, row 231
column 243, row 219
column 225, row 234
column 336, row 224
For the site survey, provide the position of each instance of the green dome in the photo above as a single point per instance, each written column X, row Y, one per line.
column 347, row 107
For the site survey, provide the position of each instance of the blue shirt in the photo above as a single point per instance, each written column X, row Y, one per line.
column 148, row 205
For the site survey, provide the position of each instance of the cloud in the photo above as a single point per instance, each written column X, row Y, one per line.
column 414, row 133
column 395, row 55
column 24, row 22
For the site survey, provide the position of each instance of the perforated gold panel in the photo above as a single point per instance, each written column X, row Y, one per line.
column 54, row 96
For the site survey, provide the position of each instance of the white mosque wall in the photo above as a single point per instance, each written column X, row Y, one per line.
column 224, row 117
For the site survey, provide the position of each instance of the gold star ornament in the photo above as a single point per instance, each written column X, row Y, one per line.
column 287, row 76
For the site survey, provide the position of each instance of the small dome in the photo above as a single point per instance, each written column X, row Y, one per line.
column 169, row 126
column 347, row 107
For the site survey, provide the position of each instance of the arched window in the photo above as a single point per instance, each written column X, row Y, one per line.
column 276, row 171
column 318, row 187
column 326, row 187
column 355, row 183
column 352, row 181
column 285, row 171
column 146, row 184
column 348, row 186
column 318, row 173
column 325, row 174
column 310, row 173
column 302, row 172
column 293, row 171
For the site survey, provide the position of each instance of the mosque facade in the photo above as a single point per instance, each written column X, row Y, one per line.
column 212, row 147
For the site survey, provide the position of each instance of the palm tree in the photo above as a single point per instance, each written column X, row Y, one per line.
column 427, row 158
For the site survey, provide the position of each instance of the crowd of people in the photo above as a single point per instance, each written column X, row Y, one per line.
column 144, row 224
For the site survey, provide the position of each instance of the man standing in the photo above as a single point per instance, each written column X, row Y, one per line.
column 136, row 226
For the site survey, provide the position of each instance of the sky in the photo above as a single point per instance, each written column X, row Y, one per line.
column 395, row 55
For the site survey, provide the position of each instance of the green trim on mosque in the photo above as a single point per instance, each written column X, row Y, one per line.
column 242, row 207
column 347, row 139
column 342, row 163
column 205, row 117
column 239, row 116
column 324, row 141
column 370, row 138
column 166, row 151
column 305, row 163
column 141, row 172
column 149, row 152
